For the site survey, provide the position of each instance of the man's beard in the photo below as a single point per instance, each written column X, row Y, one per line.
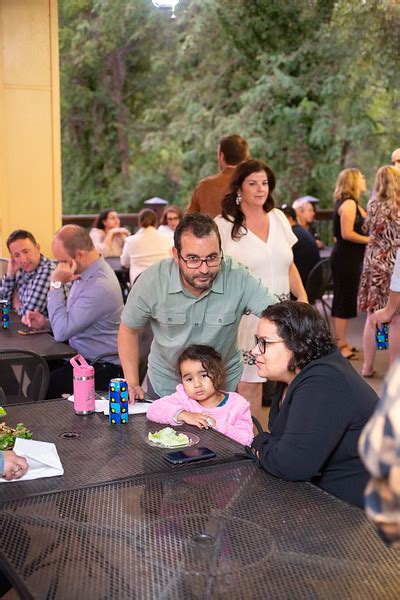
column 195, row 283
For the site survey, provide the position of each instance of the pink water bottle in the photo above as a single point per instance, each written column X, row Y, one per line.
column 83, row 386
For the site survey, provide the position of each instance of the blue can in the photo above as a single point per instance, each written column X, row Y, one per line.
column 382, row 337
column 5, row 314
column 118, row 400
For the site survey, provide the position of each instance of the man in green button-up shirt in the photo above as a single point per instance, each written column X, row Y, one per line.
column 197, row 297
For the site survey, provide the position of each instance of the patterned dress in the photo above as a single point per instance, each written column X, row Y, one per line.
column 380, row 255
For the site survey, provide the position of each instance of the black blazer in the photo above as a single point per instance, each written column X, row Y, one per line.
column 314, row 434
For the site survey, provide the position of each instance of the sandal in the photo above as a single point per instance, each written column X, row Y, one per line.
column 368, row 375
column 349, row 355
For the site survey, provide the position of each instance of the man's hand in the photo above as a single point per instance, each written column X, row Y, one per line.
column 11, row 268
column 200, row 420
column 35, row 320
column 65, row 272
column 14, row 466
column 384, row 315
column 135, row 393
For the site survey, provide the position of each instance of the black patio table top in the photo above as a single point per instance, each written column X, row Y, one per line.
column 93, row 451
column 222, row 531
column 43, row 344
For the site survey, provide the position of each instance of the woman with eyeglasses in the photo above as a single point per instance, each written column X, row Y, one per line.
column 170, row 221
column 320, row 406
column 259, row 236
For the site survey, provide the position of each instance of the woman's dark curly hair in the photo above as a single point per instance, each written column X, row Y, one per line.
column 303, row 329
column 230, row 210
column 211, row 361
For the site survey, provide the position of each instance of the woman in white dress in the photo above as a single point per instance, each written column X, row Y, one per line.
column 107, row 235
column 259, row 236
column 170, row 221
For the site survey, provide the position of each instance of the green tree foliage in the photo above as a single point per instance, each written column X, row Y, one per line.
column 312, row 84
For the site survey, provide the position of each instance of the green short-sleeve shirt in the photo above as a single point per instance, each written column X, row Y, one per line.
column 179, row 319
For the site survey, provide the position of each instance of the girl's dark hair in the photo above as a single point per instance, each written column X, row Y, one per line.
column 211, row 361
column 304, row 331
column 230, row 210
column 98, row 222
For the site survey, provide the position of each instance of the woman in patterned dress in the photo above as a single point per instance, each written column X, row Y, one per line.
column 259, row 236
column 383, row 219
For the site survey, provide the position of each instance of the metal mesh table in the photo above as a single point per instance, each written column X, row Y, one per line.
column 223, row 531
column 93, row 451
column 42, row 343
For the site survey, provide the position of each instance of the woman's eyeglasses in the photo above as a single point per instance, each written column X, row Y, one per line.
column 195, row 263
column 262, row 343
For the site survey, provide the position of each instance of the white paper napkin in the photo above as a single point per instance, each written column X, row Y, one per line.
column 103, row 406
column 133, row 409
column 42, row 457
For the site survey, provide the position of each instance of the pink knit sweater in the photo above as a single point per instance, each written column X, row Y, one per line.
column 233, row 418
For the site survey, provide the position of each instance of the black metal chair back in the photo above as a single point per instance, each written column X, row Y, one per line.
column 319, row 284
column 24, row 376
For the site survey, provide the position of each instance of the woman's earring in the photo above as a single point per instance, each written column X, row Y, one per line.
column 238, row 198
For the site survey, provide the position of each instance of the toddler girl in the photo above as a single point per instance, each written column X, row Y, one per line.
column 199, row 401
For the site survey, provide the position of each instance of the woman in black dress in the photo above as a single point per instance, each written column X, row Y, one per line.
column 348, row 252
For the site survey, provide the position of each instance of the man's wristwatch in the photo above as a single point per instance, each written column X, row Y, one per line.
column 56, row 285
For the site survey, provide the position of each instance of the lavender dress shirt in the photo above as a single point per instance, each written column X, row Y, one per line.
column 90, row 317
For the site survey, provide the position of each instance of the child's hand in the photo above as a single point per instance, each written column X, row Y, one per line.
column 200, row 420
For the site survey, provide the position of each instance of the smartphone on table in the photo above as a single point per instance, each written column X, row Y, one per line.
column 182, row 457
column 33, row 331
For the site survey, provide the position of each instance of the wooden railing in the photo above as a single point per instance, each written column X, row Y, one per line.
column 130, row 220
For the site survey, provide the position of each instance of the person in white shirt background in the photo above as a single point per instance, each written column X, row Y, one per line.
column 146, row 247
column 107, row 235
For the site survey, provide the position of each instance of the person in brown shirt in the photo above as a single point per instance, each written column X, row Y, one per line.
column 209, row 192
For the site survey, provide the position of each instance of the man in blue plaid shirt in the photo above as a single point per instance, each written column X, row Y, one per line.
column 27, row 281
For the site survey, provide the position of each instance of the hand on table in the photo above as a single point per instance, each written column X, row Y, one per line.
column 35, row 320
column 136, row 392
column 65, row 272
column 200, row 420
column 14, row 466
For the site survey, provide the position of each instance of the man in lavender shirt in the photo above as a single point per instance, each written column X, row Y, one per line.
column 90, row 317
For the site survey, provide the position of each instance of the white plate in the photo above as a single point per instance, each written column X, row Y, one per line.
column 193, row 440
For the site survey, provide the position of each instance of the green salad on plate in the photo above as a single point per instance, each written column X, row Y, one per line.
column 168, row 438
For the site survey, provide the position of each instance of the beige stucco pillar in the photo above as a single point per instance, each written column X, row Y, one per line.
column 30, row 156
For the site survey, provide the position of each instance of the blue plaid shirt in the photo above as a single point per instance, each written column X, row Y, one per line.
column 32, row 288
column 379, row 448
